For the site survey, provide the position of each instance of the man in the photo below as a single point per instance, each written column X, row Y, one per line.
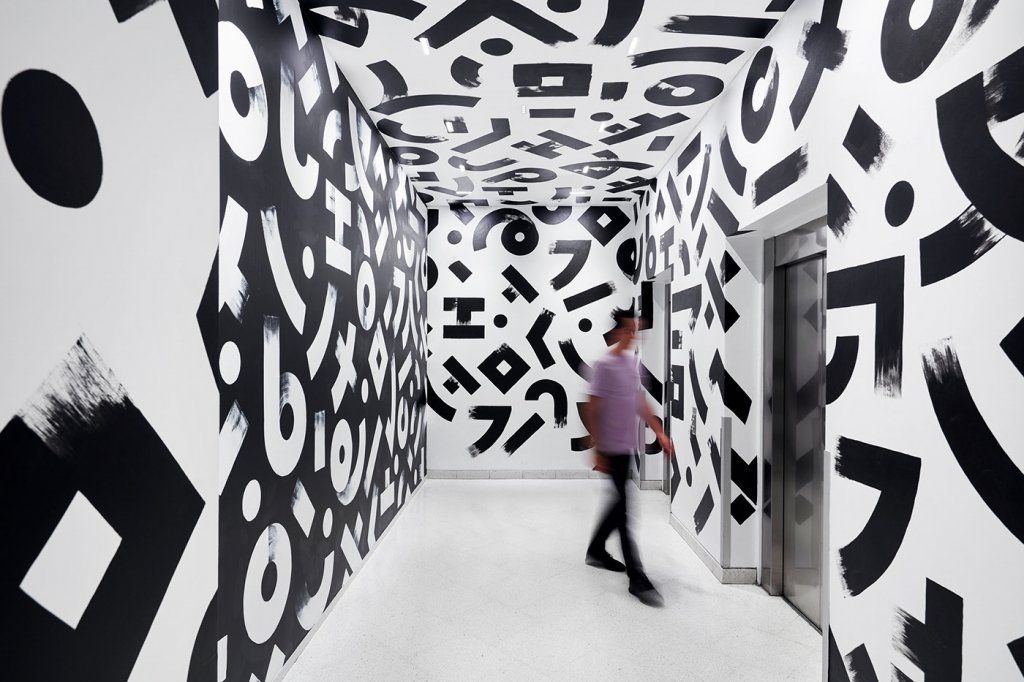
column 616, row 402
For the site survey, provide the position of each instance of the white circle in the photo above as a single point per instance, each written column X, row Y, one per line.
column 230, row 362
column 520, row 236
column 328, row 522
column 262, row 616
column 308, row 263
column 364, row 388
column 919, row 13
column 760, row 92
column 251, row 497
column 366, row 296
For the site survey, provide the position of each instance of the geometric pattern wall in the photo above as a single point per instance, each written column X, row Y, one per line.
column 520, row 301
column 914, row 121
column 314, row 320
column 530, row 102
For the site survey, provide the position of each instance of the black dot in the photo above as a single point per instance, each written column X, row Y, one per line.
column 454, row 237
column 563, row 5
column 601, row 116
column 689, row 476
column 52, row 139
column 287, row 420
column 689, row 185
column 496, row 46
column 500, row 321
column 899, row 203
column 269, row 582
column 586, row 325
column 588, row 187
column 239, row 93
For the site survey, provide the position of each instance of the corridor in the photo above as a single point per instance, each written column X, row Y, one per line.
column 485, row 580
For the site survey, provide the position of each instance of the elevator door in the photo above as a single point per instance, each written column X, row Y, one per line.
column 804, row 435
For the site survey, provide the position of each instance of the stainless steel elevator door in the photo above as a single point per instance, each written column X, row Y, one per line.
column 804, row 435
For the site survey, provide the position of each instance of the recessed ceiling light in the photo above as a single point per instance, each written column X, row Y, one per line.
column 425, row 44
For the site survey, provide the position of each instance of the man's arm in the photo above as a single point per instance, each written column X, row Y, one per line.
column 652, row 421
column 590, row 412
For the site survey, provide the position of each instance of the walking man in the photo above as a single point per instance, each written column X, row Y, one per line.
column 612, row 416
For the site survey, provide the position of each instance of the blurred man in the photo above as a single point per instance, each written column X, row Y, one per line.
column 612, row 417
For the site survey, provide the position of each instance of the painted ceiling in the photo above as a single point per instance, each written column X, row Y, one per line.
column 538, row 101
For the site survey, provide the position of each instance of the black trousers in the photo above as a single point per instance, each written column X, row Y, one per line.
column 616, row 517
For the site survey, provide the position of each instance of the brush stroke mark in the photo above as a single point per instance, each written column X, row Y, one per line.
column 391, row 79
column 466, row 71
column 836, row 669
column 463, row 164
column 523, row 434
column 651, row 384
column 688, row 154
column 619, row 22
column 755, row 121
column 703, row 511
column 716, row 55
column 840, row 210
column 673, row 196
column 401, row 104
column 698, row 203
column 471, row 13
column 866, row 141
column 956, row 246
column 989, row 178
column 498, row 416
column 824, row 47
column 988, row 467
column 700, row 88
column 500, row 129
column 735, row 171
column 504, row 379
column 513, row 222
column 573, row 359
column 716, row 461
column 464, row 308
column 861, row 667
column 579, row 249
column 688, row 299
column 461, row 375
column 646, row 124
column 552, row 216
column 907, row 52
column 588, row 296
column 839, row 369
column 734, row 397
column 744, row 475
column 535, row 337
column 604, row 223
column 1013, row 345
column 895, row 475
column 559, row 400
column 935, row 645
column 698, row 395
column 723, row 215
column 781, row 176
column 880, row 284
column 519, row 285
column 1017, row 651
column 394, row 129
column 574, row 79
column 729, row 267
column 702, row 239
column 740, row 27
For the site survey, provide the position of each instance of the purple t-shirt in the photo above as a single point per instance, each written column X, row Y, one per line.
column 616, row 382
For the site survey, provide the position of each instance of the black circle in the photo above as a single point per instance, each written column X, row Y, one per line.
column 899, row 203
column 454, row 237
column 586, row 325
column 269, row 582
column 431, row 273
column 689, row 477
column 689, row 185
column 496, row 46
column 563, row 5
column 626, row 257
column 51, row 138
column 287, row 420
column 500, row 321
column 601, row 116
column 239, row 93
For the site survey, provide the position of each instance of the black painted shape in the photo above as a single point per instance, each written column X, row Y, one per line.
column 345, row 25
column 839, row 369
column 552, row 216
column 735, row 171
column 202, row 665
column 559, row 400
column 523, row 433
column 519, row 284
column 653, row 447
column 779, row 5
column 665, row 243
column 840, row 210
column 401, row 104
column 126, row 9
column 896, row 476
column 861, row 666
column 464, row 308
column 675, row 478
column 703, row 511
column 588, row 296
column 688, row 299
column 393, row 128
column 866, row 141
column 716, row 461
column 755, row 122
column 500, row 129
column 461, row 375
column 466, row 71
column 740, row 27
column 535, row 337
column 700, row 88
column 522, row 175
column 907, row 52
column 936, row 644
column 462, row 212
column 702, row 239
column 880, row 284
column 390, row 78
column 989, row 177
column 988, row 467
column 1017, row 651
column 698, row 395
column 744, row 475
column 51, row 138
column 614, row 91
column 552, row 113
column 673, row 196
column 781, row 176
column 406, row 9
column 574, row 79
column 459, row 269
column 504, row 378
column 420, row 156
column 619, row 22
column 514, row 222
column 579, row 249
column 646, row 123
column 734, row 397
column 627, row 258
column 81, row 434
column 1004, row 89
column 730, row 268
column 549, row 149
column 471, row 13
column 836, row 668
column 1013, row 345
column 573, row 359
column 956, row 246
column 463, row 164
column 651, row 384
column 718, row 55
column 688, row 154
column 899, row 203
column 824, row 47
column 592, row 219
column 726, row 312
column 677, row 375
column 601, row 169
column 698, row 203
column 498, row 415
column 741, row 509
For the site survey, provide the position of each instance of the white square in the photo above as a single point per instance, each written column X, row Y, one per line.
column 503, row 367
column 552, row 81
column 604, row 220
column 70, row 566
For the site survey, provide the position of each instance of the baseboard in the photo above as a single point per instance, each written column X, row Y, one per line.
column 726, row 576
column 344, row 588
column 641, row 483
column 505, row 474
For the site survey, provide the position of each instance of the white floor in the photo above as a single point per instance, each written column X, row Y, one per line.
column 485, row 580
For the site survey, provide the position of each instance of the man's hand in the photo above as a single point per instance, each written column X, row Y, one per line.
column 666, row 444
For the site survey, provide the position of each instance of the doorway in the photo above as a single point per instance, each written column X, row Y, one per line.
column 793, row 531
column 654, row 349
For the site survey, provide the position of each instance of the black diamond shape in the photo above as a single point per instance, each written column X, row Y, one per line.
column 741, row 509
column 709, row 315
column 504, row 379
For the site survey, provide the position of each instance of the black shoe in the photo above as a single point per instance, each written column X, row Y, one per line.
column 643, row 590
column 606, row 561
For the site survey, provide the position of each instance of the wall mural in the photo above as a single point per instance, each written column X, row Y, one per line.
column 107, row 408
column 914, row 120
column 507, row 118
column 522, row 300
column 315, row 318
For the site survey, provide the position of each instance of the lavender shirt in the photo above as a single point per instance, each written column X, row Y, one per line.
column 616, row 382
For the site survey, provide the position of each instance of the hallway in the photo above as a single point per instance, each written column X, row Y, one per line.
column 485, row 580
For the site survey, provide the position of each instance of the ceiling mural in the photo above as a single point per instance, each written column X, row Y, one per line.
column 537, row 101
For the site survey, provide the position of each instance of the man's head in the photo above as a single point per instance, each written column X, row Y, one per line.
column 624, row 331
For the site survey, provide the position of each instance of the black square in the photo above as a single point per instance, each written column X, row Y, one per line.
column 504, row 367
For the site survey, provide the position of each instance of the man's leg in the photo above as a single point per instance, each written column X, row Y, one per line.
column 620, row 476
column 597, row 555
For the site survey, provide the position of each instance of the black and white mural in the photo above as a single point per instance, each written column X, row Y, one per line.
column 912, row 114
column 315, row 324
column 507, row 102
column 520, row 301
column 108, row 431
